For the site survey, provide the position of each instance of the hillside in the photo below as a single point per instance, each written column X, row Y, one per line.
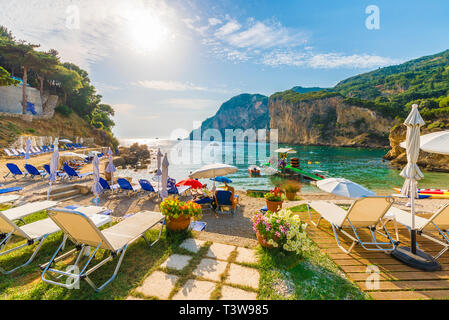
column 245, row 111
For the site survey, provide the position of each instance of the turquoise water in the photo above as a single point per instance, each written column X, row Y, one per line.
column 364, row 166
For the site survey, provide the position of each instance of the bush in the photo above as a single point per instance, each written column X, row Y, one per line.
column 63, row 110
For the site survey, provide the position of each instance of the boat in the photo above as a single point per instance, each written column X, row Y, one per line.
column 429, row 193
column 254, row 171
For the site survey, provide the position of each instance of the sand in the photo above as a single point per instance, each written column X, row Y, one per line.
column 224, row 227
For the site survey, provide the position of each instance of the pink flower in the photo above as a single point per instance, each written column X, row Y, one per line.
column 277, row 234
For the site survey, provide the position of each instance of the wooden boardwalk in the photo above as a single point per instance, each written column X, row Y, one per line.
column 396, row 280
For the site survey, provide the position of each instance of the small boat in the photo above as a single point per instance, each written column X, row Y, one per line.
column 254, row 171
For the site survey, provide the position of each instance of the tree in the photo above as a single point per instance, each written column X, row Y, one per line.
column 69, row 80
column 5, row 78
column 45, row 66
column 101, row 117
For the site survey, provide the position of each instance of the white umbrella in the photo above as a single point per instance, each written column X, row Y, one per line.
column 96, row 187
column 27, row 150
column 344, row 188
column 411, row 171
column 65, row 141
column 213, row 170
column 436, row 142
column 158, row 171
column 110, row 167
column 53, row 167
column 164, row 177
column 81, row 140
column 56, row 143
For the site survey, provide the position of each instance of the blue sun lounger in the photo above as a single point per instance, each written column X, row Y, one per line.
column 106, row 186
column 32, row 170
column 126, row 186
column 12, row 189
column 14, row 170
column 147, row 186
column 71, row 173
column 59, row 173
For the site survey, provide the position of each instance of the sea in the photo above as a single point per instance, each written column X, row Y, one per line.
column 361, row 165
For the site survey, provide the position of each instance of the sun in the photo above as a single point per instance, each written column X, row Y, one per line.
column 146, row 31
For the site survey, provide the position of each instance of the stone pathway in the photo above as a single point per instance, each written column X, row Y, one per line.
column 222, row 271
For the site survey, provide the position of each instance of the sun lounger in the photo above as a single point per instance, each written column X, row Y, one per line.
column 10, row 189
column 9, row 199
column 106, row 186
column 32, row 170
column 438, row 222
column 18, row 213
column 71, row 173
column 35, row 232
column 17, row 153
column 58, row 172
column 126, row 186
column 363, row 213
column 223, row 198
column 14, row 170
column 147, row 186
column 82, row 231
column 10, row 154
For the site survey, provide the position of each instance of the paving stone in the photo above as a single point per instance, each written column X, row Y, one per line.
column 159, row 284
column 176, row 261
column 195, row 290
column 210, row 269
column 192, row 245
column 245, row 255
column 243, row 276
column 219, row 251
column 231, row 293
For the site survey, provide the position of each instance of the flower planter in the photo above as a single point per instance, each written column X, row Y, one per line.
column 178, row 224
column 290, row 195
column 274, row 206
column 262, row 241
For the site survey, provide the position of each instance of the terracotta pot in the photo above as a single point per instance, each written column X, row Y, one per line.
column 262, row 241
column 178, row 224
column 290, row 195
column 274, row 206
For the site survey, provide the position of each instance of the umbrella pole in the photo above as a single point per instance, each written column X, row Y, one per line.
column 48, row 192
column 413, row 230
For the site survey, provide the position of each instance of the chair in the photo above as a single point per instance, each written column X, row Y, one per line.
column 82, row 231
column 173, row 189
column 71, row 173
column 18, row 213
column 59, row 173
column 146, row 186
column 14, row 170
column 126, row 186
column 10, row 154
column 223, row 198
column 9, row 199
column 106, row 186
column 35, row 232
column 10, row 189
column 363, row 213
column 32, row 170
column 439, row 221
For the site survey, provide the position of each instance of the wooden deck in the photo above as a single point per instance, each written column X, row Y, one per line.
column 397, row 280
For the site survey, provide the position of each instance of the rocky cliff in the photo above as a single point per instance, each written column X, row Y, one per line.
column 426, row 161
column 245, row 111
column 326, row 119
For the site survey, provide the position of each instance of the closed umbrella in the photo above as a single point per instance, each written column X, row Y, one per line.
column 164, row 177
column 412, row 174
column 344, row 188
column 158, row 174
column 110, row 167
column 53, row 168
column 27, row 149
column 96, row 187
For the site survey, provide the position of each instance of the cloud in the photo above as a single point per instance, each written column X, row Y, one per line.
column 123, row 108
column 214, row 21
column 170, row 85
column 191, row 104
column 228, row 28
column 326, row 60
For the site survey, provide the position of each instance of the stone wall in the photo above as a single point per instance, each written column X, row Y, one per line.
column 11, row 99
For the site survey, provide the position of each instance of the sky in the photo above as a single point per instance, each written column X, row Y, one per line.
column 166, row 65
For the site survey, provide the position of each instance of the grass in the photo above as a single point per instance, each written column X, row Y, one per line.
column 310, row 276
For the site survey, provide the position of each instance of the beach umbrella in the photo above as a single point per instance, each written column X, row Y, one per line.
column 344, row 188
column 412, row 174
column 194, row 184
column 436, row 142
column 81, row 140
column 110, row 167
column 53, row 168
column 213, row 170
column 221, row 179
column 164, row 177
column 65, row 141
column 158, row 171
column 27, row 149
column 96, row 187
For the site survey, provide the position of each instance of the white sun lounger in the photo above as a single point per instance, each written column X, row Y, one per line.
column 439, row 222
column 9, row 198
column 363, row 213
column 82, row 231
column 18, row 213
column 35, row 232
